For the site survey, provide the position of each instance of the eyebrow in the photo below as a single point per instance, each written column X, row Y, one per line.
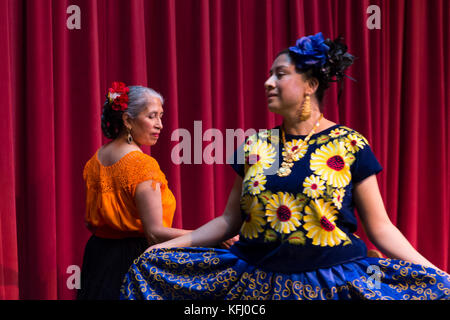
column 277, row 68
column 155, row 112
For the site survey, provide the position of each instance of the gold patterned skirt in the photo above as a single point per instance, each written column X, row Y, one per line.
column 205, row 273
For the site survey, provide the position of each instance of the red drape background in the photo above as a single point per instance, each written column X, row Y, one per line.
column 209, row 59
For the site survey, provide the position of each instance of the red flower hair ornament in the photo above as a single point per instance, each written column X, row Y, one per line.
column 118, row 96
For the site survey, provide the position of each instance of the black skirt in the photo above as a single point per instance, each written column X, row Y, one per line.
column 105, row 263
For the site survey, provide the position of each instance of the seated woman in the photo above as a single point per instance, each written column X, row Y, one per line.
column 296, row 221
column 129, row 204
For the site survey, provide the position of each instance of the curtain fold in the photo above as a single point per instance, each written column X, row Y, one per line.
column 9, row 276
column 36, row 159
column 209, row 59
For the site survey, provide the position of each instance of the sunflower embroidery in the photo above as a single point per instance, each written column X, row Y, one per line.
column 283, row 212
column 256, row 184
column 313, row 186
column 331, row 163
column 297, row 147
column 320, row 217
column 337, row 132
column 254, row 219
column 261, row 155
column 354, row 143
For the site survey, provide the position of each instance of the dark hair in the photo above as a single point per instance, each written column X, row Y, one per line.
column 138, row 98
column 338, row 60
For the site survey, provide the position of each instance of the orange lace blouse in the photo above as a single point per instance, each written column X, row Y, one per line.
column 110, row 207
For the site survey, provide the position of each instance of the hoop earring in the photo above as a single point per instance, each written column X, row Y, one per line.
column 305, row 112
column 129, row 137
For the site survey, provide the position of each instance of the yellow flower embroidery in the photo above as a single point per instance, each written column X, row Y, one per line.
column 313, row 186
column 283, row 212
column 256, row 184
column 297, row 147
column 261, row 155
column 254, row 220
column 337, row 132
column 354, row 143
column 338, row 197
column 320, row 217
column 331, row 163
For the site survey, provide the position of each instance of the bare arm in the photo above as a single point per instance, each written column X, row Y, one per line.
column 149, row 205
column 380, row 230
column 217, row 230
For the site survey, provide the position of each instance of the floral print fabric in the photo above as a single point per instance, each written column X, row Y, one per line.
column 312, row 207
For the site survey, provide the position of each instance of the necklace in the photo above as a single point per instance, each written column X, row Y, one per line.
column 288, row 159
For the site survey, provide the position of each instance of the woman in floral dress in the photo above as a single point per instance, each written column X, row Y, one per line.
column 293, row 205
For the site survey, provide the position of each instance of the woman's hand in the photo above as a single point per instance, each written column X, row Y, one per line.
column 224, row 245
column 228, row 243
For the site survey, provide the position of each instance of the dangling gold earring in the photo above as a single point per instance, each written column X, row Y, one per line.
column 305, row 113
column 129, row 137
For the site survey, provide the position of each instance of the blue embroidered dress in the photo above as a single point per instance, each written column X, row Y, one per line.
column 297, row 239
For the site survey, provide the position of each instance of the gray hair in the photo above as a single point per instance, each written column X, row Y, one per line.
column 138, row 98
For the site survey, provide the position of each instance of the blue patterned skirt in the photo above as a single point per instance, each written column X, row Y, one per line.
column 205, row 273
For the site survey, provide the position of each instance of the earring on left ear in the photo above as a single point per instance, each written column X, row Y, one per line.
column 305, row 112
column 129, row 137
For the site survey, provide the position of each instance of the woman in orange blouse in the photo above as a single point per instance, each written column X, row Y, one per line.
column 129, row 205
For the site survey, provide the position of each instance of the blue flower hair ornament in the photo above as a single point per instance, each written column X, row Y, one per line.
column 330, row 58
column 311, row 51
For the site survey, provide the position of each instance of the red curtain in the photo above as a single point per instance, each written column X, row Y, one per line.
column 209, row 59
